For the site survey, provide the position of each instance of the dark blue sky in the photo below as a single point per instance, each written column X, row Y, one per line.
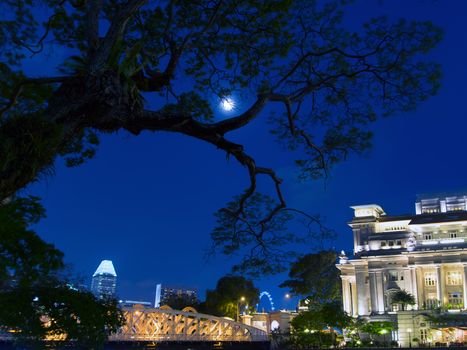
column 146, row 202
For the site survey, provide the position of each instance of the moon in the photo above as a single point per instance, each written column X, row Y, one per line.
column 227, row 104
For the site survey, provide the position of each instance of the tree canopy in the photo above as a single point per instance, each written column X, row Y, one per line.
column 37, row 296
column 316, row 278
column 139, row 65
column 403, row 298
column 232, row 296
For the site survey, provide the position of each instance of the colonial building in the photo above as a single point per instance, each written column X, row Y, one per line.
column 424, row 254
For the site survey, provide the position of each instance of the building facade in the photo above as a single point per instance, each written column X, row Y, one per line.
column 104, row 280
column 165, row 294
column 424, row 254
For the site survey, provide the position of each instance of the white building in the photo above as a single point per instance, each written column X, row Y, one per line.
column 424, row 254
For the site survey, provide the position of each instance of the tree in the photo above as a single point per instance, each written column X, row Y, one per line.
column 37, row 297
column 377, row 328
column 315, row 327
column 403, row 298
column 331, row 83
column 315, row 277
column 233, row 295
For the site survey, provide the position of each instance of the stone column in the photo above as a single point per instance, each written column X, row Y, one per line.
column 413, row 274
column 464, row 279
column 380, row 290
column 346, row 296
column 246, row 319
column 440, row 284
column 353, row 291
column 373, row 291
column 363, row 291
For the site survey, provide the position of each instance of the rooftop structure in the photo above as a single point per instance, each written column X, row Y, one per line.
column 105, row 267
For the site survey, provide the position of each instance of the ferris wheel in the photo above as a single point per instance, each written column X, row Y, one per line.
column 268, row 295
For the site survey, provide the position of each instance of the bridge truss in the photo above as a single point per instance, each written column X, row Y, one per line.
column 165, row 324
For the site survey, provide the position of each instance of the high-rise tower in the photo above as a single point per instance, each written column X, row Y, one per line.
column 104, row 280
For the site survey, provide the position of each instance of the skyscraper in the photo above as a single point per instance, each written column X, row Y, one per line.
column 104, row 280
column 164, row 295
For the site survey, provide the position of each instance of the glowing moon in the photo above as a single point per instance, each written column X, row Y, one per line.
column 227, row 104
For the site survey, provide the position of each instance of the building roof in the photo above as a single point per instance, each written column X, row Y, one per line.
column 439, row 217
column 419, row 219
column 383, row 218
column 106, row 267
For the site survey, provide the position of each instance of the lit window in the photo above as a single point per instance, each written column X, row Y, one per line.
column 430, row 279
column 455, row 298
column 453, row 278
column 423, row 335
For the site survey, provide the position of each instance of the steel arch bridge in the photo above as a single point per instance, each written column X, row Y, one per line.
column 166, row 325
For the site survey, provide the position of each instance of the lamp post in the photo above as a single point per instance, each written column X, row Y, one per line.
column 242, row 299
column 384, row 331
column 409, row 330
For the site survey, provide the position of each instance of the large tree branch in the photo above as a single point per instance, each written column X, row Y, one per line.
column 156, row 81
column 117, row 27
column 18, row 88
column 93, row 9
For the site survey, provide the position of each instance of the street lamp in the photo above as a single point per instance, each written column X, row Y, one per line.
column 384, row 331
column 409, row 330
column 242, row 299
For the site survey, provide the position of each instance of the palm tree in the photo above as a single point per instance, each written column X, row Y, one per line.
column 403, row 298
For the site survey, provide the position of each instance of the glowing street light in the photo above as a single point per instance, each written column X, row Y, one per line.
column 242, row 299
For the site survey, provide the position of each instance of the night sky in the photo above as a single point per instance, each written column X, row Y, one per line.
column 147, row 202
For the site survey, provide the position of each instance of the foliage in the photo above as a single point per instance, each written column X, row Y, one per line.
column 37, row 298
column 377, row 328
column 315, row 277
column 233, row 295
column 403, row 298
column 138, row 65
column 315, row 327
